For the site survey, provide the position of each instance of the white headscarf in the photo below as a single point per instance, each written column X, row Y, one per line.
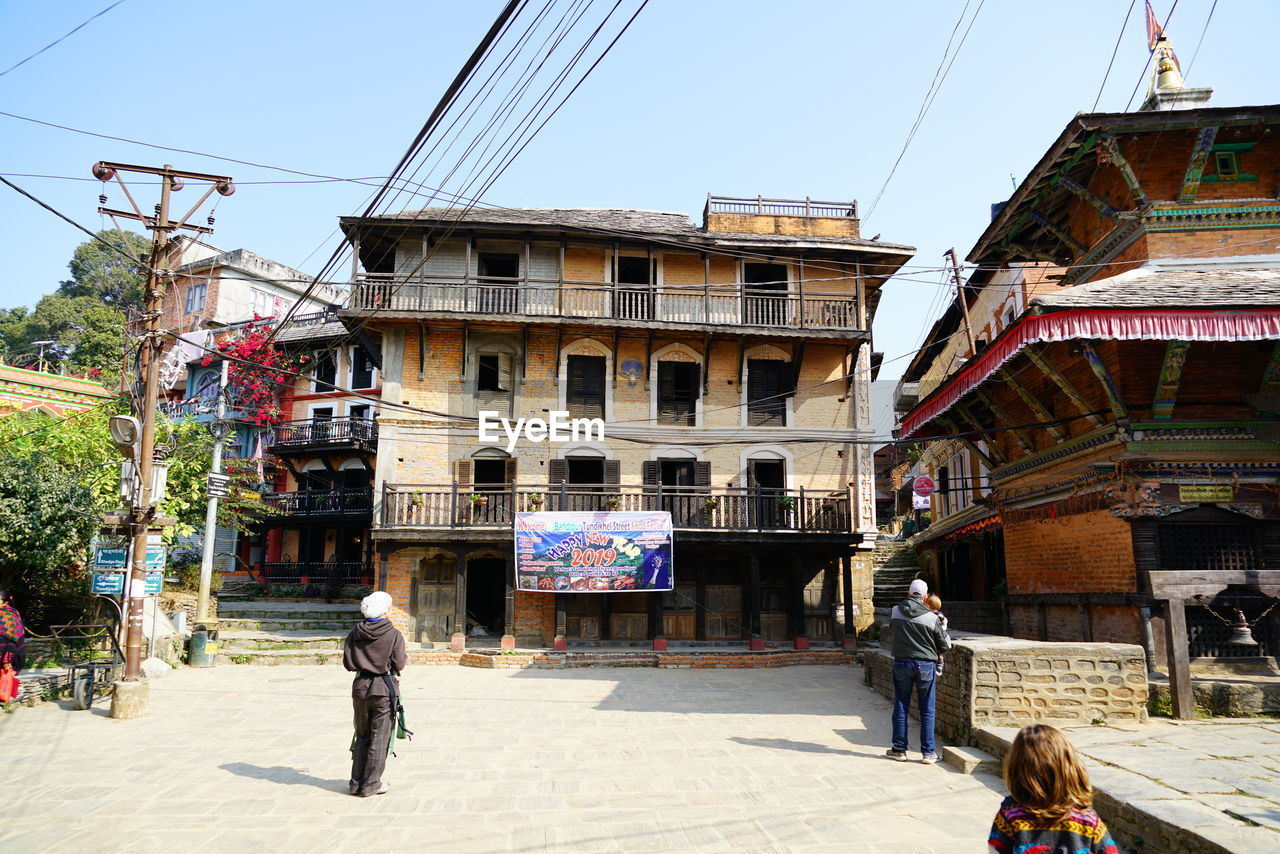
column 375, row 605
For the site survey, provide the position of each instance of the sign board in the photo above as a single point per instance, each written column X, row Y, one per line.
column 923, row 485
column 585, row 552
column 155, row 557
column 920, row 502
column 218, row 485
column 1188, row 494
column 111, row 557
column 106, row 583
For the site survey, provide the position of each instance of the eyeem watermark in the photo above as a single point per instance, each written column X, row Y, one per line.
column 561, row 428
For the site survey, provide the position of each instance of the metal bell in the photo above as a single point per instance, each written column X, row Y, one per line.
column 1240, row 633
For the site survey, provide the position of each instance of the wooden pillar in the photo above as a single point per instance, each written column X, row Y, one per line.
column 606, row 616
column 829, row 581
column 1175, row 627
column 657, row 632
column 846, row 573
column 700, row 610
column 795, row 603
column 755, row 642
column 1042, row 620
column 509, row 611
column 561, row 641
column 458, row 640
column 1086, row 623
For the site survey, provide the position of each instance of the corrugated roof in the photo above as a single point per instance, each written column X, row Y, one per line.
column 1156, row 287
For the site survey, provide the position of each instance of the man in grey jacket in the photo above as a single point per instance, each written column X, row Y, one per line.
column 919, row 640
column 374, row 651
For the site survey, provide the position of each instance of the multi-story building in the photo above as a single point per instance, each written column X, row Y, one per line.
column 1130, row 407
column 729, row 364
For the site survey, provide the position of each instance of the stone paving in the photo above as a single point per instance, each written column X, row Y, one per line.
column 238, row 759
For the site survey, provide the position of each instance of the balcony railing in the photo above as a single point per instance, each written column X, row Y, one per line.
column 721, row 305
column 319, row 572
column 744, row 509
column 337, row 431
column 318, row 502
column 760, row 206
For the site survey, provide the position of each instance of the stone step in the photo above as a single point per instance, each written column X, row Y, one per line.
column 271, row 657
column 285, row 625
column 970, row 760
column 267, row 610
column 234, row 641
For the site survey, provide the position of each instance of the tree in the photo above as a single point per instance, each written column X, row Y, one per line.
column 87, row 335
column 107, row 276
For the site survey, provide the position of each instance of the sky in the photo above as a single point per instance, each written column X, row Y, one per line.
column 732, row 97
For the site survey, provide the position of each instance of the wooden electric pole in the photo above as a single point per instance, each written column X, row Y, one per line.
column 150, row 343
column 964, row 306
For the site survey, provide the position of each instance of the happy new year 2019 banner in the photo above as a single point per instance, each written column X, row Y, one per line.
column 568, row 552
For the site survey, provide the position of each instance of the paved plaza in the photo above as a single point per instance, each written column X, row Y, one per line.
column 255, row 758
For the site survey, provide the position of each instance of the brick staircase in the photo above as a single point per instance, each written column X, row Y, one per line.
column 893, row 567
column 267, row 632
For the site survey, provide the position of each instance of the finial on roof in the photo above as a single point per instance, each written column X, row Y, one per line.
column 1168, row 90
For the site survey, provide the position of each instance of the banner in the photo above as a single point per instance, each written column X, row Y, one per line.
column 569, row 552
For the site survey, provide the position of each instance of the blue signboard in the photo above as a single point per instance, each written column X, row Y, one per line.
column 577, row 552
column 111, row 557
column 106, row 583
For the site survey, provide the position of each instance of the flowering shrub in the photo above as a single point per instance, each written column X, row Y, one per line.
column 259, row 372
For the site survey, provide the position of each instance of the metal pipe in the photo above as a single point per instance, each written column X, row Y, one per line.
column 211, row 509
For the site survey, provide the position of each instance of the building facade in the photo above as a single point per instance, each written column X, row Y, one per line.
column 729, row 365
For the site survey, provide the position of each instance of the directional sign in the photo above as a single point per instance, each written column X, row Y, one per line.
column 106, row 583
column 155, row 581
column 111, row 557
column 155, row 557
column 218, row 485
column 923, row 485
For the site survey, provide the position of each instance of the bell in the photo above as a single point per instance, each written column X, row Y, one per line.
column 1240, row 634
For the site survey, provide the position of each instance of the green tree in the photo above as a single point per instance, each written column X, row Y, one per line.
column 107, row 276
column 88, row 335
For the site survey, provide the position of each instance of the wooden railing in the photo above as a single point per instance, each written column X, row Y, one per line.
column 712, row 304
column 760, row 206
column 292, row 434
column 744, row 509
column 322, row 502
column 319, row 572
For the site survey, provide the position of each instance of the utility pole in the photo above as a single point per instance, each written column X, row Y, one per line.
column 964, row 306
column 130, row 696
column 219, row 427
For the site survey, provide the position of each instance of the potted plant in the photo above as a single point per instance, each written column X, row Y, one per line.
column 786, row 502
column 710, row 504
column 613, row 502
column 416, row 500
column 535, row 500
column 478, row 499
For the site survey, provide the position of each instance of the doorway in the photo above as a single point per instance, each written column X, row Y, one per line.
column 436, row 591
column 486, row 596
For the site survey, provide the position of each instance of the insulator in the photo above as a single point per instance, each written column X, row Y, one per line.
column 102, row 199
column 210, row 220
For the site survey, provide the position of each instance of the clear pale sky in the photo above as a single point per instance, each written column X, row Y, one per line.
column 734, row 97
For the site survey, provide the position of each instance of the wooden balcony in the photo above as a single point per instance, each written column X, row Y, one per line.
column 794, row 312
column 319, row 571
column 320, row 504
column 311, row 436
column 449, row 507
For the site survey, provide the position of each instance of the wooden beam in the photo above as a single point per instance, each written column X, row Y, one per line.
column 1175, row 626
column 988, row 458
column 1108, row 383
column 1175, row 356
column 1195, row 166
column 1087, row 197
column 1077, row 399
column 1059, row 232
column 1019, row 435
column 1037, row 408
column 1187, row 584
column 1108, row 142
column 973, row 422
column 706, row 366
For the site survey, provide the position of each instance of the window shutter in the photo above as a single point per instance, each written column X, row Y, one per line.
column 462, row 472
column 666, row 391
column 612, row 472
column 558, row 470
column 511, row 465
column 701, row 473
column 650, row 471
column 504, row 371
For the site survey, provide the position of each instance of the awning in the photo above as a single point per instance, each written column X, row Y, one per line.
column 968, row 522
column 1136, row 325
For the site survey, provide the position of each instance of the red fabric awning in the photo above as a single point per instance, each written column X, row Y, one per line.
column 1135, row 325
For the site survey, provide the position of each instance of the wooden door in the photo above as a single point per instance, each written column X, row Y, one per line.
column 724, row 612
column 435, row 598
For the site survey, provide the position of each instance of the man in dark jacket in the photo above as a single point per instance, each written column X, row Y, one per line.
column 919, row 640
column 374, row 650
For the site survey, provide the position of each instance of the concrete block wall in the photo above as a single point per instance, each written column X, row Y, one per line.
column 997, row 681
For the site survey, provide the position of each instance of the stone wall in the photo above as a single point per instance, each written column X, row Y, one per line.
column 989, row 680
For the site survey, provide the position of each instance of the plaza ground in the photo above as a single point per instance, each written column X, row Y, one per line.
column 255, row 758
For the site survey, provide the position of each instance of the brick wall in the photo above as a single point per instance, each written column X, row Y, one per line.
column 1070, row 554
column 535, row 618
column 995, row 681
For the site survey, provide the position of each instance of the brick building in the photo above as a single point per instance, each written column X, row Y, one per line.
column 1132, row 400
column 730, row 364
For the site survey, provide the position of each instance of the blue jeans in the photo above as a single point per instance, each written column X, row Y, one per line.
column 911, row 673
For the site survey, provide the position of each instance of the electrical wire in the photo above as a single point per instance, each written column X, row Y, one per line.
column 1114, row 51
column 62, row 38
column 1150, row 57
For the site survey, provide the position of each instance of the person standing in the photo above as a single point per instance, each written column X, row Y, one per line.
column 919, row 639
column 12, row 634
column 374, row 651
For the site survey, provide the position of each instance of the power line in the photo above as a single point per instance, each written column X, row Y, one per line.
column 1114, row 51
column 62, row 38
column 1203, row 30
column 1150, row 57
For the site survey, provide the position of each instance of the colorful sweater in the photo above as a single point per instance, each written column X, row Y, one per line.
column 10, row 623
column 1016, row 831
